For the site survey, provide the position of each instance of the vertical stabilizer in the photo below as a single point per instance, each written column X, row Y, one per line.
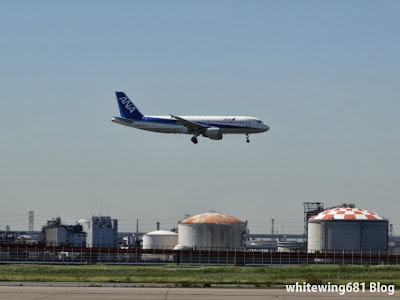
column 127, row 109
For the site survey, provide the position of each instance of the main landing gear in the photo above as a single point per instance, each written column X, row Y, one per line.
column 194, row 140
column 247, row 138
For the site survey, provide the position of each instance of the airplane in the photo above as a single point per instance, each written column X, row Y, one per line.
column 212, row 127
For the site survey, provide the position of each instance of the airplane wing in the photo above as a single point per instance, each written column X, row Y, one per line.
column 191, row 126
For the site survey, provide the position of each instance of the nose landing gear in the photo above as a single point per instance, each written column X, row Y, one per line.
column 247, row 138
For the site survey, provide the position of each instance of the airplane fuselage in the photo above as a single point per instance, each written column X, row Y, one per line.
column 227, row 124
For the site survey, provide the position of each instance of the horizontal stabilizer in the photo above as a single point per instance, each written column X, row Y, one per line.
column 123, row 121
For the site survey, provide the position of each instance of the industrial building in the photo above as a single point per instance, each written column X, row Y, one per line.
column 57, row 234
column 102, row 232
column 341, row 228
column 347, row 228
column 212, row 230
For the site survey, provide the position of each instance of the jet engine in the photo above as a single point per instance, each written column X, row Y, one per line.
column 213, row 133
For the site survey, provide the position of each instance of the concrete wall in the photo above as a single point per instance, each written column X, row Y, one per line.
column 59, row 236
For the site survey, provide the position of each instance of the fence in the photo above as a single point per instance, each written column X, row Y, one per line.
column 240, row 257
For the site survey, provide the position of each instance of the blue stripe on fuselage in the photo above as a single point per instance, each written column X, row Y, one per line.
column 160, row 121
column 174, row 122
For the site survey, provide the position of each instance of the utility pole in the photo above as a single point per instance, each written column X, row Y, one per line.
column 31, row 219
column 273, row 225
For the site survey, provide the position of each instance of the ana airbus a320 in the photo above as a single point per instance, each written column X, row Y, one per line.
column 213, row 127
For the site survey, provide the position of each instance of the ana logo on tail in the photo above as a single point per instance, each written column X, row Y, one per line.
column 128, row 104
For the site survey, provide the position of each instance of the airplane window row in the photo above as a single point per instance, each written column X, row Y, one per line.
column 224, row 121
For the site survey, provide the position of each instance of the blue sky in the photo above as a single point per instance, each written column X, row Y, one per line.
column 322, row 74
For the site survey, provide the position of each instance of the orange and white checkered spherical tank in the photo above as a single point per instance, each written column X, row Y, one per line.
column 347, row 213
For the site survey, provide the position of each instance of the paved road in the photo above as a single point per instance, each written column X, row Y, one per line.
column 44, row 292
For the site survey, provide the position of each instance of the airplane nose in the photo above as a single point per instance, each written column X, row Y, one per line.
column 266, row 127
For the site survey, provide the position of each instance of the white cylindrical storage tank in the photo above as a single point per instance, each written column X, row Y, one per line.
column 160, row 239
column 212, row 230
column 348, row 229
column 314, row 236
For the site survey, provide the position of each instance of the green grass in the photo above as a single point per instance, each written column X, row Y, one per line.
column 203, row 275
